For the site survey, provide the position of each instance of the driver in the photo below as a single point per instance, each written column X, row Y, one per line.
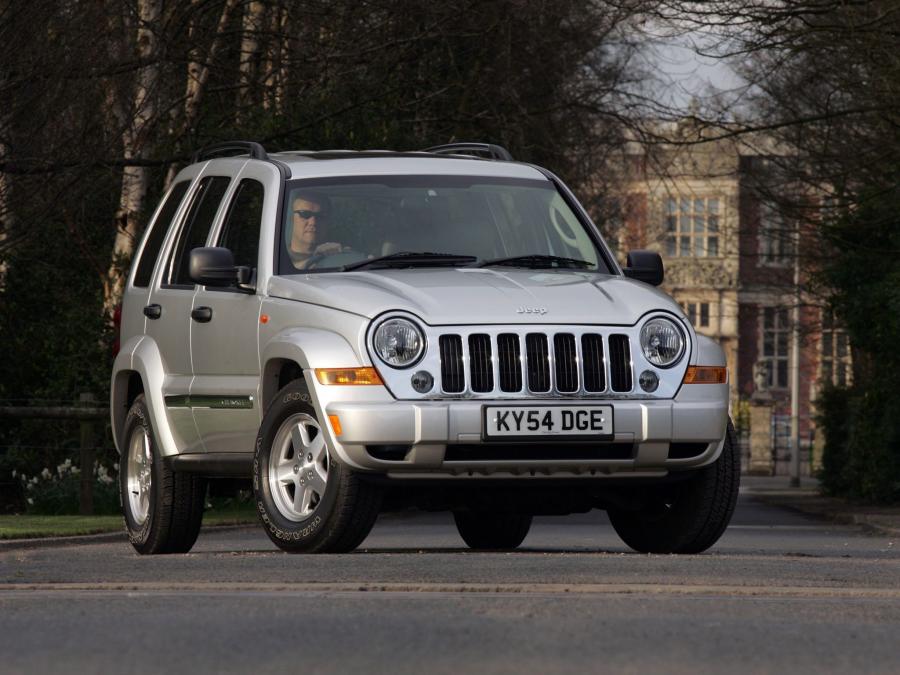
column 308, row 212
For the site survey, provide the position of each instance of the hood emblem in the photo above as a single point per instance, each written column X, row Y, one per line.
column 531, row 310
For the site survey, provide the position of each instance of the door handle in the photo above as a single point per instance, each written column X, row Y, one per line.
column 153, row 311
column 202, row 314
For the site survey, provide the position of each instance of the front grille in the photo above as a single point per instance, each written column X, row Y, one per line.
column 538, row 362
column 480, row 363
column 567, row 363
column 498, row 452
column 510, row 358
column 452, row 376
column 594, row 365
column 620, row 362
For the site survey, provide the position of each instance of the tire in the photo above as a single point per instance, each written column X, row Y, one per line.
column 308, row 502
column 163, row 509
column 687, row 517
column 483, row 531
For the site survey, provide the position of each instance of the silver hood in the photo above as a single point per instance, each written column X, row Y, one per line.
column 444, row 296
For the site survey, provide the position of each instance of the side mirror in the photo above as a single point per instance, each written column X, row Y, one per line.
column 214, row 266
column 645, row 266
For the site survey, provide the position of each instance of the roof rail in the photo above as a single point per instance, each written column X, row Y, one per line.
column 478, row 149
column 254, row 150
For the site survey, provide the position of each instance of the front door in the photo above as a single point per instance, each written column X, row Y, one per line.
column 224, row 347
column 172, row 300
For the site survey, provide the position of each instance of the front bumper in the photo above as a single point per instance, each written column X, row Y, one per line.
column 442, row 439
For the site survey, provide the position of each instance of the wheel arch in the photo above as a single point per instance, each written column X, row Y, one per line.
column 293, row 352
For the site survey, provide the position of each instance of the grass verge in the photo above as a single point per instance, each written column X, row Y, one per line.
column 30, row 527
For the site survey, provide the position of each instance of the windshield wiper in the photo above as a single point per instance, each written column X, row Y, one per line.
column 538, row 261
column 412, row 259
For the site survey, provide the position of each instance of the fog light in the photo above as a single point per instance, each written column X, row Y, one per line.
column 649, row 381
column 422, row 381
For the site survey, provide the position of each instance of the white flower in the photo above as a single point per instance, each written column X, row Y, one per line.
column 29, row 486
column 44, row 474
column 116, row 466
column 34, row 481
column 14, row 473
column 106, row 480
column 75, row 471
column 67, row 463
column 30, row 500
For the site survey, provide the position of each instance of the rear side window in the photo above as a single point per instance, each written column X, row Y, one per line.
column 240, row 234
column 195, row 229
column 158, row 233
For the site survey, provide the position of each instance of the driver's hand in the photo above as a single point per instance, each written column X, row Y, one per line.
column 328, row 248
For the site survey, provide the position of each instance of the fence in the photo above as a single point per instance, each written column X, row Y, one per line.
column 87, row 413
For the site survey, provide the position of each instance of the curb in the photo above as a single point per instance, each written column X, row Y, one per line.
column 867, row 521
column 85, row 539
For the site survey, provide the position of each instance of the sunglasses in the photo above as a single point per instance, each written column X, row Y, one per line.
column 306, row 214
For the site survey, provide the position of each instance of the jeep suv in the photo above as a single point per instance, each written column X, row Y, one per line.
column 445, row 329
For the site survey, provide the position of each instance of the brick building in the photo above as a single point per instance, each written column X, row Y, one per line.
column 730, row 263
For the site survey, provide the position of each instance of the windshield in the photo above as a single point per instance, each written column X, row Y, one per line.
column 376, row 222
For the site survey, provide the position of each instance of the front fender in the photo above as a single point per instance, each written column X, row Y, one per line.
column 311, row 348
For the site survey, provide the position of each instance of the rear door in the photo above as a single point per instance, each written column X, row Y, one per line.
column 225, row 348
column 171, row 301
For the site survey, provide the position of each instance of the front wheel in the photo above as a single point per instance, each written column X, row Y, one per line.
column 307, row 500
column 687, row 517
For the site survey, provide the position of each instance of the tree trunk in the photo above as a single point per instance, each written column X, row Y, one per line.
column 254, row 17
column 135, row 145
column 197, row 76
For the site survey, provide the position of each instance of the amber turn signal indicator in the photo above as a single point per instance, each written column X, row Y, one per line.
column 335, row 424
column 348, row 376
column 706, row 375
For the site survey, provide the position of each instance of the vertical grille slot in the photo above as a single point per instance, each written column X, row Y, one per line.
column 509, row 354
column 480, row 367
column 566, row 362
column 538, row 362
column 452, row 378
column 592, row 362
column 620, row 363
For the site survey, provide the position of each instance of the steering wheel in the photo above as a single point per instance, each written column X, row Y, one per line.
column 340, row 259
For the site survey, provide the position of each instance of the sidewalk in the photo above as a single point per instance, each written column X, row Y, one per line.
column 776, row 491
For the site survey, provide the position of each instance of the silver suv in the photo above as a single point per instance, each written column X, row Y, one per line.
column 446, row 329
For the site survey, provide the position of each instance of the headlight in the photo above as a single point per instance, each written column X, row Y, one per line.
column 662, row 342
column 399, row 343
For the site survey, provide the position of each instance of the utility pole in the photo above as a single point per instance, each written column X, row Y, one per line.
column 795, row 365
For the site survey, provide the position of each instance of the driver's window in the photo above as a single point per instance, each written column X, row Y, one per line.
column 240, row 233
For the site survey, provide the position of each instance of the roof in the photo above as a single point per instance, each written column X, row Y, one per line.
column 379, row 162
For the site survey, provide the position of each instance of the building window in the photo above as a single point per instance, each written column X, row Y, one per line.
column 697, row 311
column 692, row 226
column 835, row 353
column 776, row 339
column 776, row 237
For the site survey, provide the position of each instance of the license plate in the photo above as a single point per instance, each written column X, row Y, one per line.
column 587, row 421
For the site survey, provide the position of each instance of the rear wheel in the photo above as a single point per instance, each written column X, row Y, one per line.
column 689, row 516
column 481, row 530
column 163, row 509
column 308, row 501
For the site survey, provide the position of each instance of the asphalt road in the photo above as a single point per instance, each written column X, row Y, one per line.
column 780, row 592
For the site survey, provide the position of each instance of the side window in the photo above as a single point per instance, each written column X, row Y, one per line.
column 240, row 234
column 195, row 229
column 157, row 233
